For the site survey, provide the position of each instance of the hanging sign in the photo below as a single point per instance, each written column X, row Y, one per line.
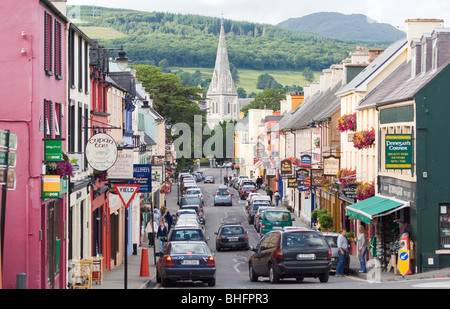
column 126, row 193
column 142, row 176
column 316, row 177
column 101, row 151
column 305, row 161
column 331, row 165
column 53, row 150
column 51, row 186
column 286, row 167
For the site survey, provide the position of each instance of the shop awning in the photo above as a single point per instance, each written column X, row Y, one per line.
column 374, row 207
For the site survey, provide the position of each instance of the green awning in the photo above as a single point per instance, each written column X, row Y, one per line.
column 373, row 207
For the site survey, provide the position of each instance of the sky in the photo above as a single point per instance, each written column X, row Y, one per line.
column 393, row 12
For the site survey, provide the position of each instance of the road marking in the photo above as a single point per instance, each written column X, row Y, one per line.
column 443, row 285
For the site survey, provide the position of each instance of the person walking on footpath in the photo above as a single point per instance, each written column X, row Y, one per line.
column 362, row 248
column 277, row 197
column 162, row 234
column 169, row 220
column 270, row 194
column 149, row 231
column 342, row 245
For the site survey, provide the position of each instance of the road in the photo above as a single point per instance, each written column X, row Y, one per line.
column 232, row 266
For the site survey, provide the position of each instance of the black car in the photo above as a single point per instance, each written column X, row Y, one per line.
column 186, row 260
column 291, row 254
column 231, row 236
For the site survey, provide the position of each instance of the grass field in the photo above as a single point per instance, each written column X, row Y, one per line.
column 248, row 78
column 102, row 32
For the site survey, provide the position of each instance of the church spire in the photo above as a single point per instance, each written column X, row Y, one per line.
column 222, row 81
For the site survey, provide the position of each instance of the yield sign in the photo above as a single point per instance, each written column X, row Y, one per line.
column 126, row 192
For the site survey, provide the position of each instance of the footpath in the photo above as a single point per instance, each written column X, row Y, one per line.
column 115, row 279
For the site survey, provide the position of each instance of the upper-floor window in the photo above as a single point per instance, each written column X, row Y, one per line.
column 52, row 46
column 48, row 43
column 434, row 55
column 52, row 120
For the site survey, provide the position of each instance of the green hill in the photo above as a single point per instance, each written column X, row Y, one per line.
column 191, row 41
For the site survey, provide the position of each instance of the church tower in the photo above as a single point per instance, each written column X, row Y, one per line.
column 222, row 97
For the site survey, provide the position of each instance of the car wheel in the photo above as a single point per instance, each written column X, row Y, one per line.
column 324, row 277
column 212, row 282
column 251, row 273
column 274, row 277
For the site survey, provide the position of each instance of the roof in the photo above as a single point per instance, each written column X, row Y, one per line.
column 362, row 79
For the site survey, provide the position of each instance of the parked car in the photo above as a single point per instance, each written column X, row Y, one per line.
column 253, row 211
column 249, row 199
column 185, row 232
column 291, row 254
column 186, row 260
column 195, row 191
column 223, row 196
column 199, row 211
column 331, row 238
column 245, row 190
column 182, row 212
column 231, row 236
column 209, row 179
column 273, row 219
column 258, row 216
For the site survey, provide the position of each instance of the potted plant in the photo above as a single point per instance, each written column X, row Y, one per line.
column 61, row 168
column 347, row 123
column 364, row 139
column 317, row 142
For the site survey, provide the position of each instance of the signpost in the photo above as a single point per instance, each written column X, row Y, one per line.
column 126, row 194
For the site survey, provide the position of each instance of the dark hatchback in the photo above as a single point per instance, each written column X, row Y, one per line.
column 231, row 236
column 186, row 260
column 291, row 254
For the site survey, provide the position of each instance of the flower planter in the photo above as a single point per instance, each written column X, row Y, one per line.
column 365, row 191
column 347, row 123
column 364, row 139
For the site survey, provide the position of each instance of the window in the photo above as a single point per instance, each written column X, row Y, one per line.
column 444, row 226
column 80, row 64
column 48, row 52
column 71, row 58
column 434, row 55
column 58, row 50
column 52, row 120
column 48, row 119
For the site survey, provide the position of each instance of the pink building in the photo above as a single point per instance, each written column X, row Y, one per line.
column 33, row 92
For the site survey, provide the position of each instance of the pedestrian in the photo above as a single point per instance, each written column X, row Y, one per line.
column 162, row 234
column 225, row 180
column 156, row 216
column 342, row 245
column 277, row 197
column 149, row 231
column 362, row 248
column 169, row 220
column 270, row 194
column 259, row 182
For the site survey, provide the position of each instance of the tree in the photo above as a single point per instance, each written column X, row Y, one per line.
column 269, row 99
column 308, row 74
column 266, row 81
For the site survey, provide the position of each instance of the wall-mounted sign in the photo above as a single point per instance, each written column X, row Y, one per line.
column 53, row 150
column 292, row 182
column 316, row 177
column 349, row 191
column 142, row 176
column 398, row 151
column 51, row 186
column 101, row 151
column 286, row 167
column 331, row 165
column 123, row 168
column 301, row 174
column 305, row 160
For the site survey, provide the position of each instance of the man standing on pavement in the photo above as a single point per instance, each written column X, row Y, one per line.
column 342, row 245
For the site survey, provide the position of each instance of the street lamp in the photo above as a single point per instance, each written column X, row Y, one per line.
column 122, row 61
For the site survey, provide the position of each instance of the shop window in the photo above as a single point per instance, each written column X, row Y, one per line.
column 444, row 226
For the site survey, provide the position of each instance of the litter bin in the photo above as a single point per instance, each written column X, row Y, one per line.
column 430, row 261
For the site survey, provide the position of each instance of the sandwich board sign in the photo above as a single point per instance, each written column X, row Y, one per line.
column 126, row 192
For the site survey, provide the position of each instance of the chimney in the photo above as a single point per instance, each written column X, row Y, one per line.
column 416, row 27
column 374, row 53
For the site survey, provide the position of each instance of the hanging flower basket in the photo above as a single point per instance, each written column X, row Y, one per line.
column 62, row 168
column 364, row 139
column 327, row 184
column 100, row 175
column 365, row 190
column 347, row 123
column 346, row 176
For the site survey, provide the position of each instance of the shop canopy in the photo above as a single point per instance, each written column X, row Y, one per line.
column 374, row 207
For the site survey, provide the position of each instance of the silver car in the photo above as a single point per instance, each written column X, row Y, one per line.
column 223, row 196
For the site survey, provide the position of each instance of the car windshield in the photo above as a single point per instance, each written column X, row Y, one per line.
column 332, row 241
column 189, row 248
column 191, row 200
column 193, row 234
column 303, row 240
column 232, row 230
column 277, row 216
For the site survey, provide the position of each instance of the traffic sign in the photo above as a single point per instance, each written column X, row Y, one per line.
column 126, row 192
column 403, row 261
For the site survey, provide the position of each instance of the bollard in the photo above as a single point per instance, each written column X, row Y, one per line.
column 21, row 281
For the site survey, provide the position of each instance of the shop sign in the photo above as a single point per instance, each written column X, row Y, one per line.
column 101, row 151
column 292, row 182
column 349, row 191
column 271, row 172
column 51, row 186
column 331, row 165
column 123, row 168
column 316, row 177
column 142, row 176
column 53, row 150
column 398, row 151
column 286, row 167
column 301, row 174
column 305, row 160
